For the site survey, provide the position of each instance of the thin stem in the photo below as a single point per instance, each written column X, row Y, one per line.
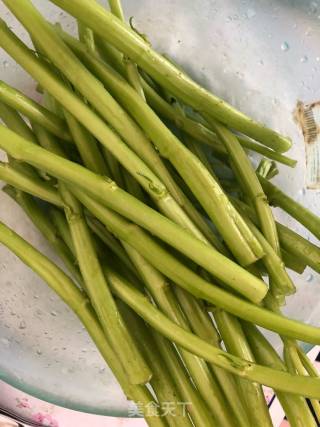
column 165, row 298
column 276, row 379
column 30, row 184
column 99, row 293
column 250, row 182
column 198, row 410
column 31, row 109
column 292, row 262
column 175, row 81
column 291, row 241
column 236, row 343
column 111, row 242
column 108, row 194
column 193, row 283
column 198, row 130
column 132, row 72
column 86, row 144
column 202, row 326
column 59, row 221
column 161, row 381
column 277, row 198
column 86, row 36
column 14, row 121
column 281, row 282
column 77, row 301
column 295, row 407
column 42, row 222
column 94, row 280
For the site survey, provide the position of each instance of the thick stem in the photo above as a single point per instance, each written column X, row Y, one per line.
column 148, row 180
column 107, row 193
column 192, row 282
column 205, row 188
column 175, row 81
column 30, row 184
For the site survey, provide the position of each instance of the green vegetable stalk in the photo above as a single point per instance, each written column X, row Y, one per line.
column 176, row 82
column 107, row 193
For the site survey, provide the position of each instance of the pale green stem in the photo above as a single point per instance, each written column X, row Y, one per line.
column 30, row 184
column 175, row 81
column 110, row 195
column 200, row 181
column 236, row 343
column 78, row 302
column 192, row 282
column 35, row 112
column 295, row 407
column 305, row 386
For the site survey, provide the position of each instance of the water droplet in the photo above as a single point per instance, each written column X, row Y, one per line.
column 35, row 296
column 5, row 341
column 22, row 325
column 304, row 58
column 250, row 13
column 285, row 46
column 261, row 62
column 53, row 313
column 5, row 64
column 302, row 192
column 318, row 58
column 39, row 352
column 308, row 32
column 309, row 278
column 102, row 369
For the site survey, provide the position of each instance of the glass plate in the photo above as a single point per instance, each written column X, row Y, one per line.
column 261, row 56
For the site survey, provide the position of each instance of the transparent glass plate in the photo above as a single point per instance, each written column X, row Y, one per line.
column 261, row 56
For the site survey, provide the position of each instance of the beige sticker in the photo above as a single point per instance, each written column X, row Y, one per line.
column 307, row 116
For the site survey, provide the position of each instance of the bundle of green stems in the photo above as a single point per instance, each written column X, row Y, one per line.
column 170, row 267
